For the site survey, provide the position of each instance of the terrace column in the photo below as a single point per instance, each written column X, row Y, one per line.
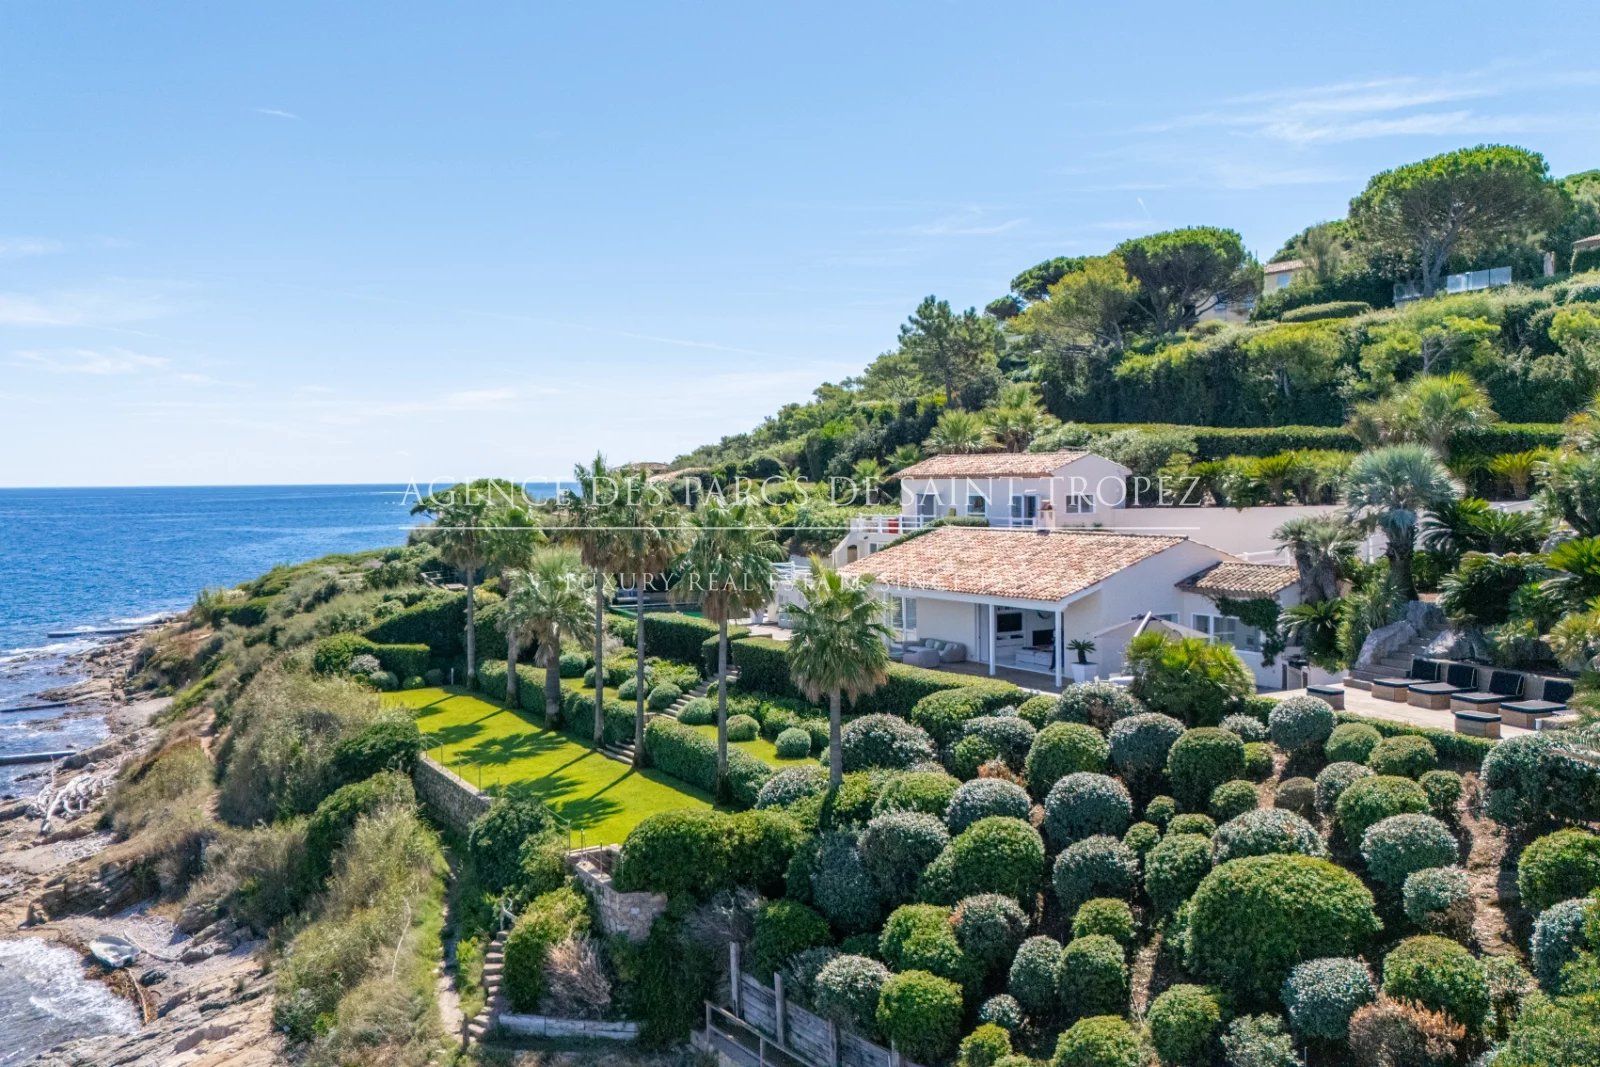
column 992, row 642
column 1061, row 648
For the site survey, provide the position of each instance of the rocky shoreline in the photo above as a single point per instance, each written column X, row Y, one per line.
column 203, row 993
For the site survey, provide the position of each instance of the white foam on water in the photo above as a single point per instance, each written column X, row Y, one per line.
column 45, row 999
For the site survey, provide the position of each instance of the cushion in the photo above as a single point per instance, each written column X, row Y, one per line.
column 1506, row 683
column 920, row 657
column 1478, row 698
column 1533, row 707
column 1556, row 691
column 952, row 652
column 1462, row 675
column 1478, row 716
column 1426, row 670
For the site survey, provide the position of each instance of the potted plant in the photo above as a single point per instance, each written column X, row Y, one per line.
column 1082, row 670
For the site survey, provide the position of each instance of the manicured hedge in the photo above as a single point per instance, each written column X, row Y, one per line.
column 439, row 621
column 1219, row 442
column 1453, row 748
column 677, row 637
column 1333, row 309
column 691, row 756
column 764, row 668
column 333, row 655
column 708, row 649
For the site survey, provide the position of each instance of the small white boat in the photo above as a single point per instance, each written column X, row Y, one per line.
column 113, row 951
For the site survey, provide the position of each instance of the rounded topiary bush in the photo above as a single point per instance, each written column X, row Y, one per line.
column 993, row 855
column 572, row 664
column 921, row 1014
column 1140, row 745
column 1444, row 793
column 1141, row 837
column 841, row 886
column 1201, row 760
column 1351, row 742
column 884, row 741
column 1232, row 799
column 1516, row 774
column 846, row 991
column 1192, row 823
column 1039, row 710
column 1064, row 748
column 1439, row 900
column 1092, row 978
column 984, row 797
column 793, row 743
column 1558, row 866
column 742, row 728
column 1369, row 801
column 1298, row 795
column 1258, row 764
column 1253, row 919
column 1185, row 1023
column 1322, row 994
column 1174, row 869
column 1301, row 723
column 1108, row 916
column 1099, row 704
column 942, row 714
column 801, row 970
column 989, row 927
column 663, row 697
column 1441, row 975
column 1333, row 780
column 1265, row 832
column 1160, row 811
column 629, row 688
column 1011, row 735
column 698, row 712
column 1558, row 934
column 1032, row 979
column 925, row 791
column 984, row 1047
column 1084, row 804
column 1401, row 844
column 1099, row 866
column 792, row 785
column 969, row 754
column 1405, row 756
column 1099, row 1041
column 1246, row 729
column 1002, row 1010
column 896, row 846
column 918, row 937
column 784, row 927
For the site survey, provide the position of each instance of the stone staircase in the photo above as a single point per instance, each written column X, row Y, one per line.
column 494, row 962
column 1396, row 664
column 623, row 752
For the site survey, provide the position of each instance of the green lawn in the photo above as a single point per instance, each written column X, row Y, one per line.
column 760, row 748
column 485, row 742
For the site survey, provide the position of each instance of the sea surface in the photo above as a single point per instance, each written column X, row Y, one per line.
column 45, row 1000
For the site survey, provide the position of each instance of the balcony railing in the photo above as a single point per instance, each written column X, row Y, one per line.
column 894, row 525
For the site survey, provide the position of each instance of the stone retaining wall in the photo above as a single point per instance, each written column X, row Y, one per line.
column 628, row 914
column 446, row 796
column 550, row 1026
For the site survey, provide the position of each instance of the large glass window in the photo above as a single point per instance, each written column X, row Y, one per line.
column 1227, row 630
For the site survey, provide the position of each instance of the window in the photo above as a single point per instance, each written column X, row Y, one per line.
column 1024, row 509
column 1008, row 622
column 903, row 614
column 1165, row 616
column 977, row 505
column 927, row 505
column 1284, row 279
column 1227, row 630
column 1079, row 504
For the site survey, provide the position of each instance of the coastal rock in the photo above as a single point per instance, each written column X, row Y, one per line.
column 153, row 977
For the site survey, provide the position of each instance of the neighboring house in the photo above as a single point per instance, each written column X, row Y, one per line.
column 1279, row 274
column 1013, row 600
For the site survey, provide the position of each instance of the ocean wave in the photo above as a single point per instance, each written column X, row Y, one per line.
column 49, row 979
column 55, row 648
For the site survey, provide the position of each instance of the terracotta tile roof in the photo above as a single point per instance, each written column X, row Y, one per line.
column 1586, row 244
column 991, row 465
column 1240, row 580
column 1281, row 265
column 1013, row 564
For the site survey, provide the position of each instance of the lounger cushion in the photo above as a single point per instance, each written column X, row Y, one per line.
column 1478, row 698
column 1556, row 691
column 1478, row 716
column 1533, row 707
column 1463, row 675
column 1425, row 670
column 1506, row 683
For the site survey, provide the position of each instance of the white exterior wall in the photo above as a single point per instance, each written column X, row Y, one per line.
column 1243, row 532
column 1089, row 475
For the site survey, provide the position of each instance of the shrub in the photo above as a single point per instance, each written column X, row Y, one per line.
column 336, row 817
column 1064, row 748
column 1039, row 710
column 1298, row 795
column 1192, row 823
column 1322, row 994
column 1301, row 723
column 793, row 743
column 1333, row 780
column 572, row 664
column 1351, row 742
column 776, row 720
column 924, row 791
column 389, row 744
column 1253, row 919
column 1444, row 793
column 1439, row 900
column 1232, row 799
column 663, row 697
column 800, row 971
column 1259, row 1041
column 918, row 936
column 1440, row 975
column 790, row 785
column 1397, row 846
column 1265, row 832
column 920, row 1013
column 1099, row 1041
column 384, row 681
column 846, row 991
column 1258, row 766
column 1092, row 978
column 1082, row 805
column 1201, row 760
column 1185, row 1022
column 1245, row 729
column 984, row 797
column 970, row 753
column 683, row 851
column 1001, row 1009
column 944, row 714
column 494, row 840
column 1140, row 745
column 1403, row 756
column 1099, row 866
column 1531, row 782
column 1107, row 916
column 841, row 886
column 1097, row 704
column 993, row 855
column 1558, row 866
column 1141, row 837
column 1011, row 736
column 333, row 655
column 984, row 1046
column 691, row 756
column 700, row 711
column 884, row 741
column 896, row 846
column 1032, row 979
column 783, row 928
column 1371, row 800
column 743, row 728
column 547, row 921
column 628, row 690
column 1398, row 1032
column 1160, row 811
column 1558, row 934
column 989, row 927
column 1174, row 869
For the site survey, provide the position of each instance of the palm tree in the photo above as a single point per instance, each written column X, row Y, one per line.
column 728, row 560
column 1436, row 408
column 599, row 545
column 1318, row 545
column 1315, row 628
column 869, row 475
column 957, row 431
column 548, row 602
column 840, row 647
column 1013, row 428
column 1450, row 528
column 903, row 457
column 645, row 525
column 1388, row 489
column 1517, row 468
column 463, row 517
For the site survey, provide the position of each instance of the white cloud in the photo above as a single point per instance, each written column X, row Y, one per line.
column 102, row 307
column 97, row 362
column 19, row 247
column 275, row 112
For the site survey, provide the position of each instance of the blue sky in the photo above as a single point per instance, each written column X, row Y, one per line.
column 308, row 242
